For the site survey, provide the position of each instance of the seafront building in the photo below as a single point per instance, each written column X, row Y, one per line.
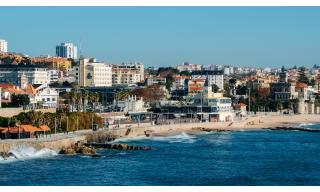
column 67, row 50
column 214, row 107
column 3, row 46
column 127, row 73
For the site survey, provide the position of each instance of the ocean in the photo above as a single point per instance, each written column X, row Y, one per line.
column 238, row 158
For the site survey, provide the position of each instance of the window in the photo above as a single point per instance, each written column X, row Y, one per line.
column 48, row 99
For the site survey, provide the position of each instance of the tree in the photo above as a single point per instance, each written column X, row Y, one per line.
column 302, row 76
column 85, row 96
column 20, row 100
column 169, row 81
column 185, row 73
column 215, row 88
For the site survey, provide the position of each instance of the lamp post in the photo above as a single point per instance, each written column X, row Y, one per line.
column 249, row 102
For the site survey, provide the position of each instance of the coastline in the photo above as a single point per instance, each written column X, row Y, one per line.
column 249, row 123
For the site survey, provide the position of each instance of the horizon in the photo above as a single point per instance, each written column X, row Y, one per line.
column 168, row 36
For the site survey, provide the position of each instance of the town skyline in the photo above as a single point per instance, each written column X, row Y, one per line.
column 237, row 36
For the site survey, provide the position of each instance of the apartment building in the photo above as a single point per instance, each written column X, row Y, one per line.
column 15, row 73
column 127, row 73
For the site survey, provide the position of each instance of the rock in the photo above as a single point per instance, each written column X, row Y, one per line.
column 67, row 150
column 118, row 146
column 4, row 155
column 86, row 150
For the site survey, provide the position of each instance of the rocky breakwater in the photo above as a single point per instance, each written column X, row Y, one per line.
column 208, row 129
column 77, row 149
column 117, row 146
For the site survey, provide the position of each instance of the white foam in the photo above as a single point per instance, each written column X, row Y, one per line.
column 305, row 124
column 24, row 153
column 179, row 138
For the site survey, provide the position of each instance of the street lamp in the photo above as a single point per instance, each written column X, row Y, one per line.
column 249, row 101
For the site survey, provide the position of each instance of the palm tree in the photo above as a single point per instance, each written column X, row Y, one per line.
column 72, row 97
column 85, row 96
column 78, row 98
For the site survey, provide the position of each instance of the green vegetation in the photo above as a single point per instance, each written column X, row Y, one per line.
column 60, row 119
column 19, row 100
column 302, row 76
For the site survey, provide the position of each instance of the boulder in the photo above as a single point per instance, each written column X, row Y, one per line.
column 67, row 150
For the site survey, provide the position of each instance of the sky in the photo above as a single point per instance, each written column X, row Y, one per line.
column 168, row 36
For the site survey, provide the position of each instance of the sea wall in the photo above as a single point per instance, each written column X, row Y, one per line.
column 54, row 144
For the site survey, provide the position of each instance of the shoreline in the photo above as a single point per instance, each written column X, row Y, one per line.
column 249, row 123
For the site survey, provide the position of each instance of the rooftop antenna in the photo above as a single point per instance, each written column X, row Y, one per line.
column 80, row 47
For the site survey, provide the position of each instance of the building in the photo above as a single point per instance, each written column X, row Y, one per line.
column 67, row 50
column 128, row 73
column 91, row 73
column 180, row 82
column 3, row 46
column 186, row 66
column 155, row 80
column 195, row 86
column 213, row 77
column 56, row 63
column 31, row 74
column 54, row 75
column 132, row 105
column 47, row 97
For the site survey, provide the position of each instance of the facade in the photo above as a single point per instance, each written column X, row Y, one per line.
column 282, row 91
column 127, row 73
column 91, row 73
column 132, row 105
column 213, row 106
column 47, row 97
column 3, row 46
column 180, row 82
column 186, row 66
column 55, row 63
column 54, row 75
column 155, row 80
column 195, row 86
column 213, row 77
column 13, row 74
column 67, row 50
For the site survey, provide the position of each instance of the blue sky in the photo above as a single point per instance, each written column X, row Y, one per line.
column 167, row 36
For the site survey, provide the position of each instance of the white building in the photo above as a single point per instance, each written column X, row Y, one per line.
column 14, row 74
column 132, row 105
column 54, row 75
column 215, row 107
column 228, row 70
column 186, row 66
column 213, row 77
column 47, row 97
column 67, row 50
column 3, row 46
column 91, row 73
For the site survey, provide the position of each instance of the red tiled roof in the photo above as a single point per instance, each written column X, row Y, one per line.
column 301, row 85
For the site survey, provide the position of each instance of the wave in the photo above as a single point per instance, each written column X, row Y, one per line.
column 25, row 153
column 305, row 124
column 178, row 138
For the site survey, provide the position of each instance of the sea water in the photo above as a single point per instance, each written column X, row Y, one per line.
column 259, row 157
